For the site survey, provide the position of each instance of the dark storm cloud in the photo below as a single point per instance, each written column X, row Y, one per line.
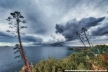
column 36, row 11
column 90, row 22
column 35, row 40
column 69, row 30
column 6, row 39
column 101, row 30
column 5, row 35
column 32, row 39
column 42, row 15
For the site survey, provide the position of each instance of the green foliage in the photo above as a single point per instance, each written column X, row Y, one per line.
column 53, row 65
column 81, row 66
column 76, row 61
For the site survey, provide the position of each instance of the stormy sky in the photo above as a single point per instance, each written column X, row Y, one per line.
column 56, row 20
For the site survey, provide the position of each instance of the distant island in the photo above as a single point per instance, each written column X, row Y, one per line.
column 79, row 48
column 6, row 46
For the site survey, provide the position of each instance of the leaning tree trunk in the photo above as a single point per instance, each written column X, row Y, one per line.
column 22, row 50
column 82, row 41
column 87, row 39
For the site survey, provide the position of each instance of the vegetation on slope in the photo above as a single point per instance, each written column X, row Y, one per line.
column 94, row 58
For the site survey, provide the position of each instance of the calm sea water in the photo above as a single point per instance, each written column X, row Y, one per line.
column 8, row 62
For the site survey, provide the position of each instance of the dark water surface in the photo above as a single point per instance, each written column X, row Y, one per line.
column 34, row 53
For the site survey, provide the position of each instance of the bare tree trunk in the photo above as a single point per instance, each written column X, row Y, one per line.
column 82, row 41
column 22, row 50
column 87, row 39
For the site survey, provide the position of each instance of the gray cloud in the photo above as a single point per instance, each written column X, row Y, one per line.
column 36, row 13
column 5, row 35
column 42, row 15
column 30, row 11
column 101, row 30
column 32, row 39
column 69, row 30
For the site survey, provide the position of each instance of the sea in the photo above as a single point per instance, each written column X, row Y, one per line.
column 8, row 62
